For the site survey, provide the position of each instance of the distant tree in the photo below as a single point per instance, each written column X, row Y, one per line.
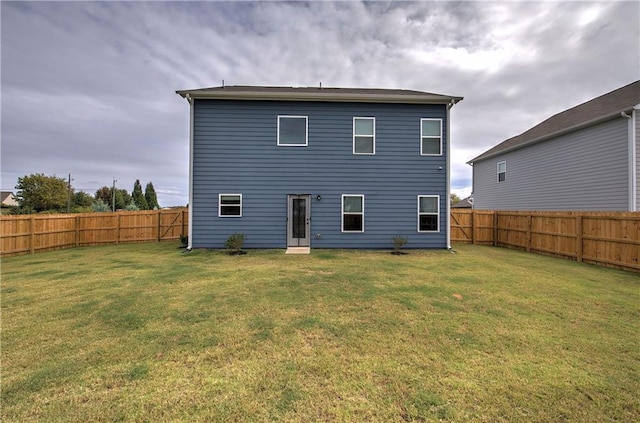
column 100, row 206
column 122, row 197
column 104, row 194
column 150, row 196
column 132, row 207
column 82, row 202
column 38, row 192
column 82, row 199
column 138, row 198
column 454, row 198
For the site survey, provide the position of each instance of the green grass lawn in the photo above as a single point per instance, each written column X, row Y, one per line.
column 148, row 333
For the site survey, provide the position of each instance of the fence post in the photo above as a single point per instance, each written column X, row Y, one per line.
column 473, row 227
column 117, row 228
column 529, row 218
column 77, row 235
column 495, row 228
column 158, row 226
column 32, row 235
column 579, row 238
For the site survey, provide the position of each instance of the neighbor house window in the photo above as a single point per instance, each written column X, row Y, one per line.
column 502, row 171
column 428, row 213
column 364, row 135
column 352, row 213
column 292, row 131
column 230, row 205
column 431, row 137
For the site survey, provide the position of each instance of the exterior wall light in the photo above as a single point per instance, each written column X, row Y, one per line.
column 318, row 197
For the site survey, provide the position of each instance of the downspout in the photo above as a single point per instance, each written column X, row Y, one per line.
column 190, row 208
column 448, row 158
column 631, row 137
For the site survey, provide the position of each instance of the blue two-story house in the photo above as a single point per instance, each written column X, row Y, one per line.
column 318, row 167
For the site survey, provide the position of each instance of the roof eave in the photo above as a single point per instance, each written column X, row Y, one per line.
column 564, row 131
column 319, row 96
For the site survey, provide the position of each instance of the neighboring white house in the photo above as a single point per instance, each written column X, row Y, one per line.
column 584, row 158
column 8, row 199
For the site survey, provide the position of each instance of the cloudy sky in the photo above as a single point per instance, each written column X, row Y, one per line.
column 88, row 88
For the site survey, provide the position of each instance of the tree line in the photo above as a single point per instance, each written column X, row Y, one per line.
column 39, row 193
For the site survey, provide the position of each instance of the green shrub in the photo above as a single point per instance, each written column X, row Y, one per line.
column 398, row 242
column 235, row 242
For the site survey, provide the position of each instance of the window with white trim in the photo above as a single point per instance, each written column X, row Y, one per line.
column 428, row 213
column 293, row 131
column 352, row 213
column 430, row 137
column 364, row 135
column 229, row 205
column 502, row 171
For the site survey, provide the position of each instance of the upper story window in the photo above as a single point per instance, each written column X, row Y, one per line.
column 502, row 171
column 430, row 137
column 428, row 213
column 364, row 135
column 293, row 131
column 230, row 205
column 352, row 213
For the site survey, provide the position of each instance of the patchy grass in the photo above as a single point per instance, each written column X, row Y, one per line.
column 148, row 333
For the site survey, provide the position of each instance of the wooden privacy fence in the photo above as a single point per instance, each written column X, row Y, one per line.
column 604, row 238
column 24, row 234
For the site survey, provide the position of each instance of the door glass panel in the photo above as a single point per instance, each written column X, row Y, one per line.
column 299, row 217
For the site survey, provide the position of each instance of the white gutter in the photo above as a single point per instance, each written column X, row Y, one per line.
column 190, row 208
column 448, row 158
column 323, row 96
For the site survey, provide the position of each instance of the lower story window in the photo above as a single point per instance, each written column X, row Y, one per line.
column 428, row 213
column 230, row 205
column 352, row 213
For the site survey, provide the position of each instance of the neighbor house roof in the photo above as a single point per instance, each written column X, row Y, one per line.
column 462, row 204
column 4, row 195
column 593, row 111
column 368, row 95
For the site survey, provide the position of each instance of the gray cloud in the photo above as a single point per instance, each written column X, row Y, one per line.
column 88, row 87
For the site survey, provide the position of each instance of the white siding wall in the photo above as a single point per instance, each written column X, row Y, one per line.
column 583, row 170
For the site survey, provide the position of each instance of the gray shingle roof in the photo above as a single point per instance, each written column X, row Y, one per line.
column 600, row 108
column 376, row 95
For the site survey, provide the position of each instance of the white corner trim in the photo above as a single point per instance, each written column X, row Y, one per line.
column 190, row 208
column 633, row 158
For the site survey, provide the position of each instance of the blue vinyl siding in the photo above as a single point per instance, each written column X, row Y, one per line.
column 235, row 151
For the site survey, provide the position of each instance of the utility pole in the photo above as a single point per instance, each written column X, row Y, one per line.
column 113, row 195
column 69, row 195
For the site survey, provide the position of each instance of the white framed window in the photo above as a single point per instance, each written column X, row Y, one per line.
column 352, row 213
column 430, row 137
column 502, row 171
column 364, row 135
column 293, row 131
column 229, row 205
column 428, row 213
